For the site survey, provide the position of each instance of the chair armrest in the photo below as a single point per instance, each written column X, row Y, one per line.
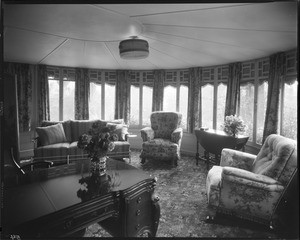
column 238, row 176
column 147, row 134
column 176, row 135
column 238, row 159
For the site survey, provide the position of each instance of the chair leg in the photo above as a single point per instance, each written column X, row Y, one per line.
column 143, row 160
column 211, row 215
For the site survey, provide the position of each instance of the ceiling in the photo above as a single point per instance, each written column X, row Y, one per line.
column 179, row 35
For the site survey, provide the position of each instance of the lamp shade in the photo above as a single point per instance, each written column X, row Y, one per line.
column 134, row 49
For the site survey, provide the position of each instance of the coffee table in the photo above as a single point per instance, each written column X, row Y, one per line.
column 64, row 200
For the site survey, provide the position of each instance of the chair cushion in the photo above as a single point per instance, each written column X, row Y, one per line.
column 275, row 157
column 51, row 134
column 160, row 148
column 164, row 123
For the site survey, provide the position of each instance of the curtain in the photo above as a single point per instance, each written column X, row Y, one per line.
column 43, row 98
column 276, row 73
column 122, row 105
column 25, row 75
column 194, row 107
column 82, row 92
column 233, row 88
column 158, row 90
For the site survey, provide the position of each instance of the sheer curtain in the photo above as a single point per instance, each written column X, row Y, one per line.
column 82, row 91
column 276, row 73
column 158, row 90
column 122, row 104
column 233, row 88
column 194, row 107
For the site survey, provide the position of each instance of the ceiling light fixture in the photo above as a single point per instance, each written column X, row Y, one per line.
column 134, row 48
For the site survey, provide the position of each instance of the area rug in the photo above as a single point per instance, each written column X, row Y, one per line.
column 183, row 203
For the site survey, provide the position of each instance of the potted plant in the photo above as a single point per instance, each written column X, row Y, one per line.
column 233, row 125
column 97, row 143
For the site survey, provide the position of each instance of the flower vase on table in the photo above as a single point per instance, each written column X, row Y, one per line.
column 97, row 143
column 98, row 166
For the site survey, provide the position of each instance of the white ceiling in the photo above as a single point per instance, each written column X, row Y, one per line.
column 179, row 35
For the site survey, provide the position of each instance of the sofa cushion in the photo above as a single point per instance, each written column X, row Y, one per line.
column 80, row 127
column 51, row 134
column 75, row 151
column 66, row 125
column 57, row 152
column 119, row 129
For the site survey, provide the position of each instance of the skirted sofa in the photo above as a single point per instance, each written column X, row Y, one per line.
column 57, row 141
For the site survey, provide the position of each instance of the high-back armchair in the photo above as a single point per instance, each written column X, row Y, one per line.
column 163, row 139
column 250, row 186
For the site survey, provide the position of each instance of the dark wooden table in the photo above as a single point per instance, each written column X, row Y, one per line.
column 213, row 141
column 64, row 200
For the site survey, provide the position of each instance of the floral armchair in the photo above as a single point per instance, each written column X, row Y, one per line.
column 250, row 186
column 163, row 139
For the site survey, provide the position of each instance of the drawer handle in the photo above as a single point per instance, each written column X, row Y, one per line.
column 138, row 212
column 139, row 200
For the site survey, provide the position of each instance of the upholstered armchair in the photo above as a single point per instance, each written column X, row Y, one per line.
column 163, row 139
column 250, row 186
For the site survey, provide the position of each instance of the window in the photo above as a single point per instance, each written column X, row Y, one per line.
column 207, row 92
column 53, row 99
column 247, row 107
column 61, row 84
column 222, row 91
column 288, row 121
column 169, row 101
column 135, row 106
column 147, row 104
column 183, row 104
column 102, row 103
column 109, row 101
column 261, row 110
column 95, row 101
column 173, row 103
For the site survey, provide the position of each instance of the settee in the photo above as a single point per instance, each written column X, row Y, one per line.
column 57, row 141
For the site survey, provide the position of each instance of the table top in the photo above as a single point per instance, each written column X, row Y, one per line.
column 30, row 201
column 219, row 132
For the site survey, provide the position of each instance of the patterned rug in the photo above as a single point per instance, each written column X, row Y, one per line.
column 183, row 204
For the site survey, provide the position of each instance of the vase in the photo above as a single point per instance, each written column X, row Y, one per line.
column 98, row 166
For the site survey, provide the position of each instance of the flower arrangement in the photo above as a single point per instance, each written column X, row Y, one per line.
column 97, row 142
column 233, row 125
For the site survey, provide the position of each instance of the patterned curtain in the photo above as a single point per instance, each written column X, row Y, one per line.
column 194, row 107
column 122, row 108
column 25, row 75
column 158, row 90
column 276, row 73
column 233, row 88
column 82, row 92
column 43, row 98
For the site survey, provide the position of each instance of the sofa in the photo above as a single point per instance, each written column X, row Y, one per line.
column 56, row 141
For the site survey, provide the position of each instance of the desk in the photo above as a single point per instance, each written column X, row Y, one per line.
column 122, row 201
column 213, row 141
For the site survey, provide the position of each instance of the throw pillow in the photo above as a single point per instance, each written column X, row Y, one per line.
column 120, row 129
column 51, row 134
